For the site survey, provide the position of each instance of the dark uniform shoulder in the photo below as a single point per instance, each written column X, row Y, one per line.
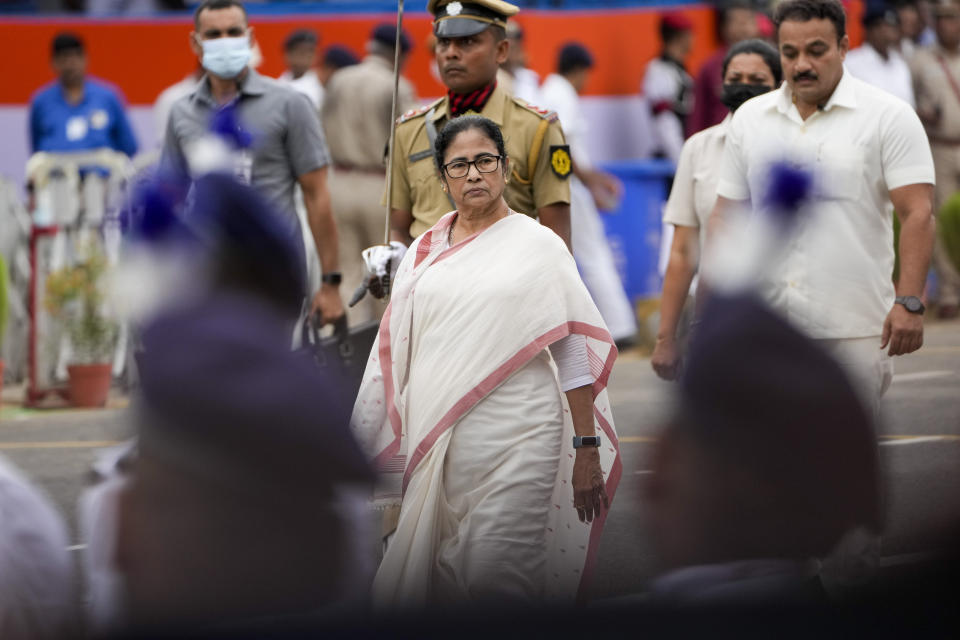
column 416, row 113
column 540, row 112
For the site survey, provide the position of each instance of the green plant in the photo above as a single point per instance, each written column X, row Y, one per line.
column 4, row 302
column 948, row 226
column 76, row 296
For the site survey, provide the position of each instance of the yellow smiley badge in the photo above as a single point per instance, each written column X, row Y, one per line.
column 560, row 161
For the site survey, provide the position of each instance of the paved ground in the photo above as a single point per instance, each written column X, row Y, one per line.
column 920, row 454
column 920, row 447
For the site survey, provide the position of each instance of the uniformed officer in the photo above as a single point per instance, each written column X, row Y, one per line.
column 936, row 83
column 471, row 46
column 357, row 119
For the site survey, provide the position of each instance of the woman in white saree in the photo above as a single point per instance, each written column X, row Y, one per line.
column 490, row 359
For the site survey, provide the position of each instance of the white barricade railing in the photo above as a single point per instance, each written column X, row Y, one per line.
column 14, row 247
column 77, row 201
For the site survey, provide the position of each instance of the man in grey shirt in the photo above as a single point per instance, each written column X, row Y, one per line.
column 286, row 143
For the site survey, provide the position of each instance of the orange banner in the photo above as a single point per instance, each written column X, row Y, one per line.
column 142, row 57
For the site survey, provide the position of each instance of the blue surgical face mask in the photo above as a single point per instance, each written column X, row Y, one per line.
column 226, row 57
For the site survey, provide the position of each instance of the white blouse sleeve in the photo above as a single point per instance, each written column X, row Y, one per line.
column 570, row 354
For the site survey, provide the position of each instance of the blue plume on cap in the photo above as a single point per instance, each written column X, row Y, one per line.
column 789, row 187
column 153, row 212
column 226, row 124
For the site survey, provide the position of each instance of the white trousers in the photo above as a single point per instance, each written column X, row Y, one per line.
column 595, row 262
column 868, row 366
column 855, row 560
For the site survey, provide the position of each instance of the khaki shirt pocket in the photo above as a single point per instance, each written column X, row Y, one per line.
column 429, row 200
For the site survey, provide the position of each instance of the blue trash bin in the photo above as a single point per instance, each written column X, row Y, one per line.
column 634, row 228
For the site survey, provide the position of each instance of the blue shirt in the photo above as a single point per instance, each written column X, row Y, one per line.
column 97, row 121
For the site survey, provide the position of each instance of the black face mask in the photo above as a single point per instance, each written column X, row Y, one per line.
column 734, row 95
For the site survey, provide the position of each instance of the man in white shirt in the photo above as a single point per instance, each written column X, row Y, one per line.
column 878, row 62
column 866, row 149
column 514, row 76
column 300, row 54
column 589, row 190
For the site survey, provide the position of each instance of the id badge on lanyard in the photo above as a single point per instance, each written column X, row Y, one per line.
column 243, row 166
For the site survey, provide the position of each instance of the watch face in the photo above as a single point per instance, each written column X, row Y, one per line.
column 913, row 305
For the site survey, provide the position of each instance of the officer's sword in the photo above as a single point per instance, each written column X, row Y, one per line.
column 385, row 280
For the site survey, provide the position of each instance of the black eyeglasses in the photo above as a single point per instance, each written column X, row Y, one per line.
column 460, row 168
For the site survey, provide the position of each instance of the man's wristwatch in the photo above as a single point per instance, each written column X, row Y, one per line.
column 334, row 277
column 911, row 304
column 586, row 441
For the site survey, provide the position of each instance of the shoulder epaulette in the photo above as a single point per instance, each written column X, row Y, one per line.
column 413, row 113
column 546, row 114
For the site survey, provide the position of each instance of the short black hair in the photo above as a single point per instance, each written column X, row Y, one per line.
column 386, row 34
column 673, row 25
column 66, row 42
column 762, row 49
column 339, row 56
column 725, row 9
column 573, row 56
column 300, row 36
column 214, row 5
column 464, row 123
column 878, row 15
column 805, row 10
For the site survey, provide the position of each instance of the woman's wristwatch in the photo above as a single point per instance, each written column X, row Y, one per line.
column 334, row 277
column 586, row 441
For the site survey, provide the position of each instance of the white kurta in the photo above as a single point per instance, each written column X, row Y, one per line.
column 461, row 408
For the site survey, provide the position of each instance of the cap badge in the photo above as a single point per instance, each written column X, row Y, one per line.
column 454, row 9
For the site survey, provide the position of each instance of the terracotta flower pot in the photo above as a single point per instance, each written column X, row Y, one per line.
column 89, row 384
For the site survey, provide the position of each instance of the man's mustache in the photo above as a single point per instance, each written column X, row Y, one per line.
column 805, row 75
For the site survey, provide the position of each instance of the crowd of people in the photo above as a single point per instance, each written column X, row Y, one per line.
column 909, row 50
column 482, row 428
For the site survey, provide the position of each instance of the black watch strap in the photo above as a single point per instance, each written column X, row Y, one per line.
column 912, row 304
column 334, row 277
column 586, row 441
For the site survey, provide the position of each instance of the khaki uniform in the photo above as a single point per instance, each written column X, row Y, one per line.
column 529, row 133
column 356, row 117
column 935, row 93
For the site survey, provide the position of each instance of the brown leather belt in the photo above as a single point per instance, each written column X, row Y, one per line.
column 347, row 168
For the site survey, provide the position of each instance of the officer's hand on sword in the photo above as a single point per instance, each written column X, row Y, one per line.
column 383, row 260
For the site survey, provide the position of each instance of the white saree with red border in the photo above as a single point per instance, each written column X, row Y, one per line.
column 461, row 408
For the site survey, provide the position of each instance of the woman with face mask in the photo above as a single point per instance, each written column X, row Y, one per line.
column 750, row 68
